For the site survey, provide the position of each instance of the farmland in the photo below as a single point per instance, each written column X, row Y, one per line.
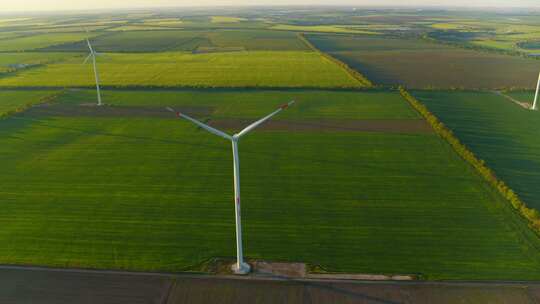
column 419, row 64
column 11, row 100
column 509, row 35
column 40, row 41
column 159, row 40
column 522, row 96
column 260, row 69
column 321, row 28
column 351, row 179
column 159, row 191
column 14, row 61
column 225, row 19
column 498, row 131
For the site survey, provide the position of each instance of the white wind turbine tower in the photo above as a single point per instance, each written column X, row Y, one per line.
column 93, row 56
column 240, row 267
column 535, row 106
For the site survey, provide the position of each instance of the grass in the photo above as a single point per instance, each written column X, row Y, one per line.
column 13, row 100
column 41, row 41
column 156, row 39
column 239, row 69
column 155, row 193
column 418, row 64
column 498, row 131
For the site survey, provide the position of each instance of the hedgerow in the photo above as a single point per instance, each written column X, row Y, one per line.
column 532, row 215
column 361, row 78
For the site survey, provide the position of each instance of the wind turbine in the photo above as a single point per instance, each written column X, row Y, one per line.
column 534, row 107
column 240, row 267
column 93, row 56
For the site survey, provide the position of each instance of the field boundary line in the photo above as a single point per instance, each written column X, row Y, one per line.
column 352, row 72
column 531, row 215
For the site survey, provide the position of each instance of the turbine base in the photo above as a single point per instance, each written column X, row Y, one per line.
column 242, row 270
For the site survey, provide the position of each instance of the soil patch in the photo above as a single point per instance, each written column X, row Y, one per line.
column 386, row 126
column 291, row 270
column 58, row 286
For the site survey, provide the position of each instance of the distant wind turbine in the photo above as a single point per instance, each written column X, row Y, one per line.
column 93, row 56
column 240, row 267
column 535, row 105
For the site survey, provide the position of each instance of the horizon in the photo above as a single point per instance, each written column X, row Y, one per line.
column 48, row 6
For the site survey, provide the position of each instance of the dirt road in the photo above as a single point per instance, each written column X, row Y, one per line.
column 58, row 286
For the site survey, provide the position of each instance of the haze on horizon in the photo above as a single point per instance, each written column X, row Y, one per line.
column 63, row 5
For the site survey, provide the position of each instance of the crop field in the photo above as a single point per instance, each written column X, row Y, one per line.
column 502, row 133
column 321, row 28
column 15, row 61
column 41, row 41
column 12, row 100
column 225, row 19
column 522, row 96
column 351, row 179
column 175, row 40
column 168, row 22
column 154, row 193
column 238, row 69
column 251, row 103
column 418, row 64
column 507, row 35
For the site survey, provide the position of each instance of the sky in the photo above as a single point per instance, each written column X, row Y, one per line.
column 57, row 5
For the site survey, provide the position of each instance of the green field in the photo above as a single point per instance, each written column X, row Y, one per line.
column 11, row 100
column 502, row 133
column 225, row 19
column 251, row 103
column 155, row 193
column 419, row 64
column 40, row 41
column 15, row 61
column 321, row 29
column 236, row 69
column 522, row 96
column 154, row 39
column 507, row 35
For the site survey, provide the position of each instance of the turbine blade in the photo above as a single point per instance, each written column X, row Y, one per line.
column 262, row 120
column 87, row 57
column 202, row 125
